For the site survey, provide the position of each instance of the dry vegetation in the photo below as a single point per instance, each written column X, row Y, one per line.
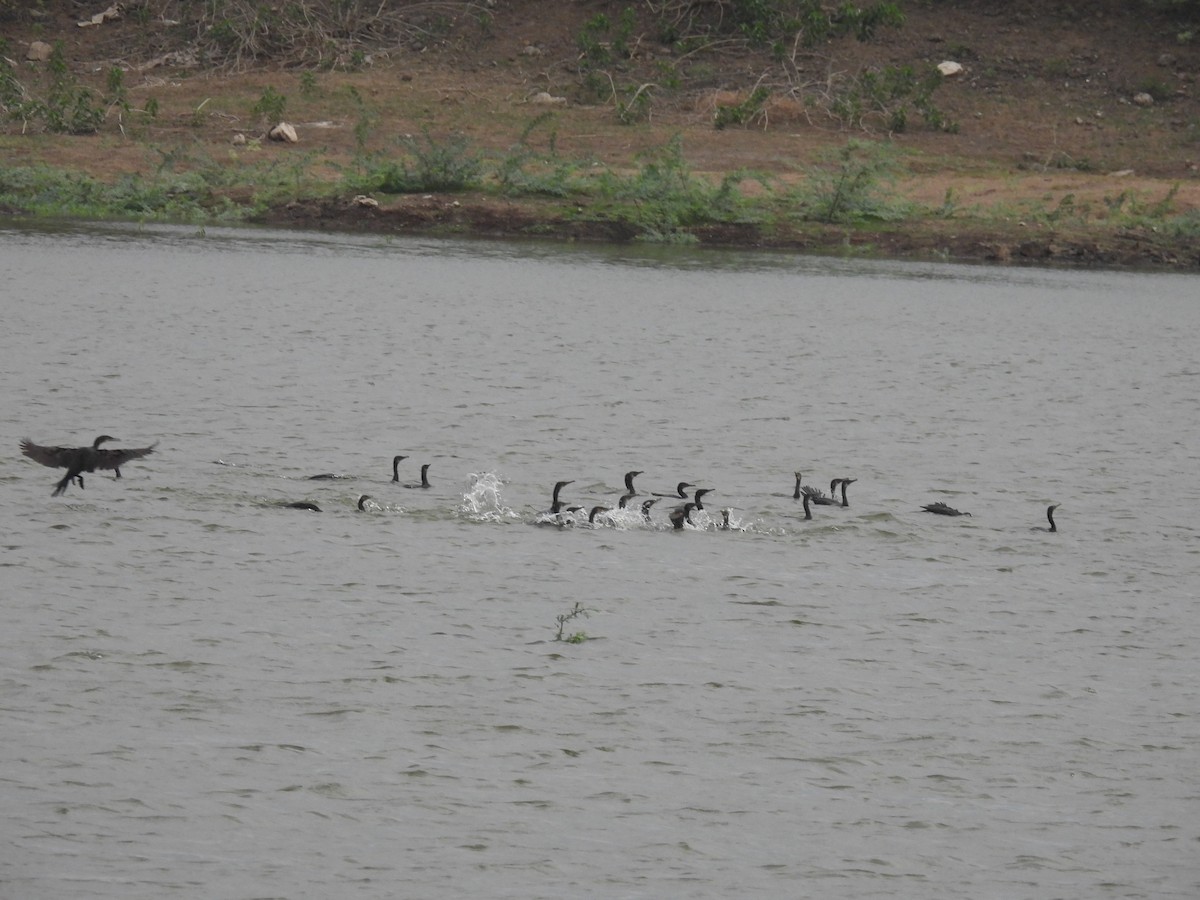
column 1039, row 150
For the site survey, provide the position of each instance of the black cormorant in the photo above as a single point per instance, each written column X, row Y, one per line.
column 424, row 478
column 699, row 494
column 845, row 483
column 646, row 507
column 302, row 504
column 1050, row 517
column 680, row 490
column 807, row 509
column 556, row 504
column 629, row 476
column 77, row 460
column 941, row 509
column 682, row 514
column 362, row 501
column 797, row 493
column 819, row 498
column 596, row 510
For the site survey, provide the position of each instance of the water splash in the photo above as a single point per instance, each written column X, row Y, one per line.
column 483, row 501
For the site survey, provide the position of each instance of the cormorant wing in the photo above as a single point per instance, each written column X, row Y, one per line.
column 114, row 459
column 54, row 457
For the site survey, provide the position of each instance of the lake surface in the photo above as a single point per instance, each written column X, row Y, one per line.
column 205, row 694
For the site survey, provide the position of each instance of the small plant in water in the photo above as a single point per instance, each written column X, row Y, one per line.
column 577, row 637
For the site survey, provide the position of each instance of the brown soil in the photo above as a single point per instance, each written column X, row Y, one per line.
column 1045, row 113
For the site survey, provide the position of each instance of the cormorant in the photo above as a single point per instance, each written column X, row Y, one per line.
column 303, row 504
column 424, row 478
column 807, row 509
column 629, row 476
column 396, row 467
column 682, row 514
column 324, row 476
column 845, row 482
column 362, row 501
column 819, row 498
column 700, row 492
column 596, row 510
column 725, row 526
column 680, row 491
column 77, row 460
column 646, row 507
column 797, row 492
column 556, row 504
column 1050, row 516
column 941, row 509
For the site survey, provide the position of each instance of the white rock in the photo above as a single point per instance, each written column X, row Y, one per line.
column 238, row 139
column 1143, row 99
column 283, row 132
column 548, row 99
column 113, row 12
column 368, row 202
column 949, row 69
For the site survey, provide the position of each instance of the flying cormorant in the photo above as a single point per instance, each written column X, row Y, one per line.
column 77, row 460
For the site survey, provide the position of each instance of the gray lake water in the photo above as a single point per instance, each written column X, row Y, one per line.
column 204, row 694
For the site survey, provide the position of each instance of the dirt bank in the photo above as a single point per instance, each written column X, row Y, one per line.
column 1050, row 157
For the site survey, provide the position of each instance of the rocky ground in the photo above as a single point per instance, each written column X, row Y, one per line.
column 1055, row 154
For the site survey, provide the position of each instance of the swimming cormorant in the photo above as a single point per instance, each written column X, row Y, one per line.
column 845, row 482
column 646, row 507
column 941, row 509
column 796, row 493
column 362, row 501
column 700, row 493
column 629, row 476
column 680, row 490
column 807, row 509
column 77, row 460
column 302, row 504
column 1050, row 516
column 682, row 514
column 819, row 498
column 556, row 504
column 596, row 510
column 424, row 478
column 396, row 467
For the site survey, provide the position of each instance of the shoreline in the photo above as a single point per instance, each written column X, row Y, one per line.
column 949, row 240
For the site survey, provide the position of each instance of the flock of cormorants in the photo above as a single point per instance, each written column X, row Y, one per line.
column 77, row 460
